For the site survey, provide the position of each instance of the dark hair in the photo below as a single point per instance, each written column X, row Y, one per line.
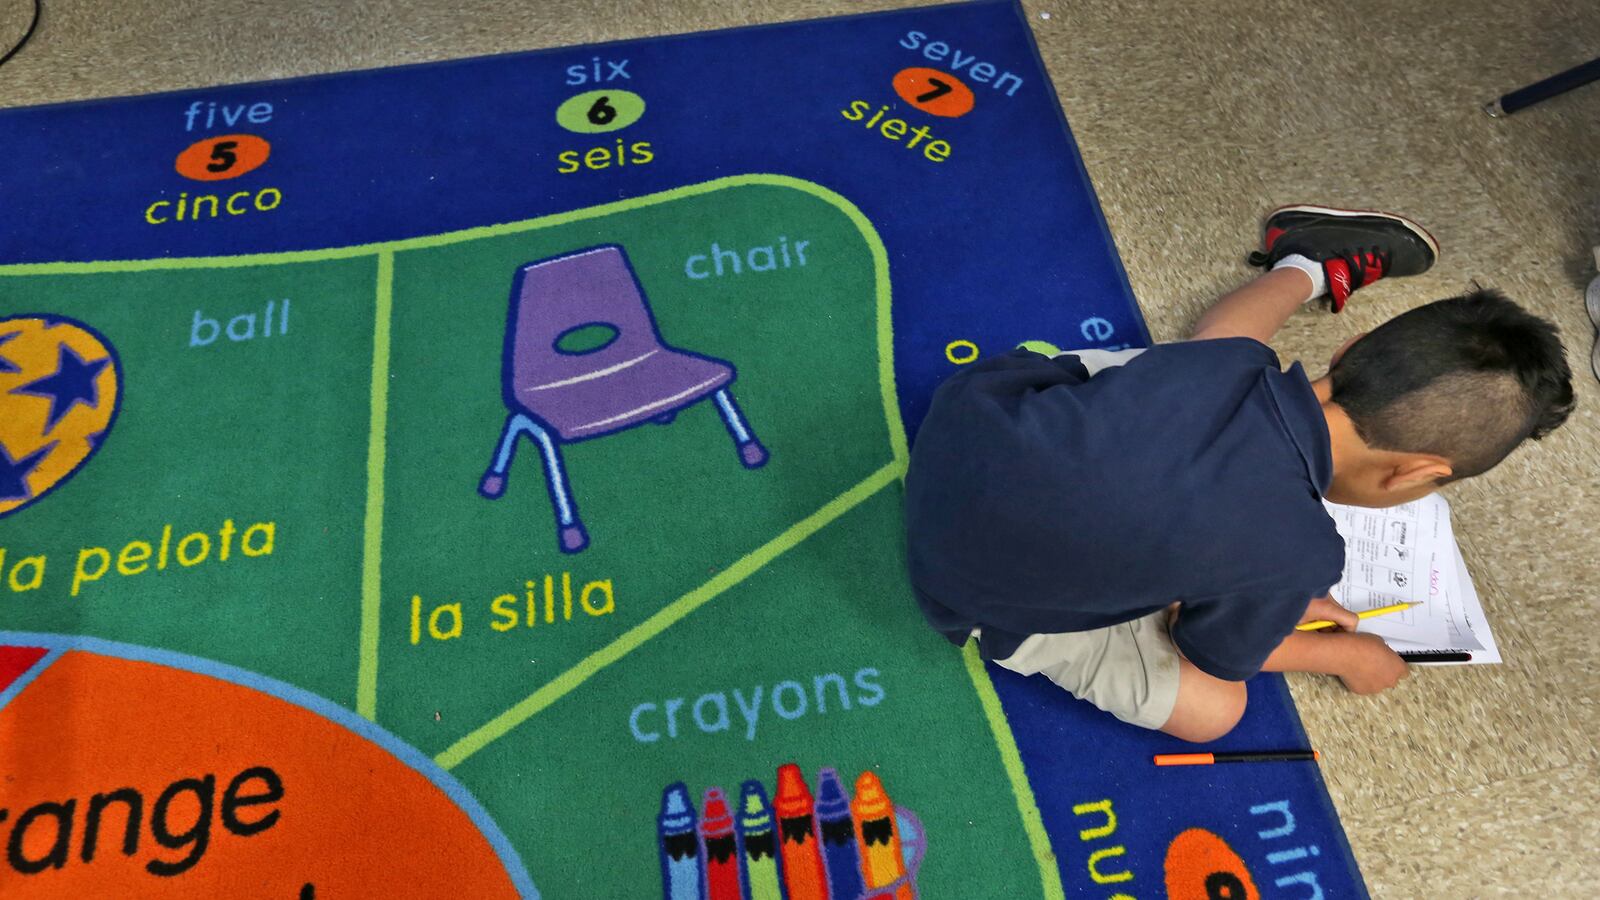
column 1467, row 379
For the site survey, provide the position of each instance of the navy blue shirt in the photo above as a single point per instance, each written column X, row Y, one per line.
column 1041, row 500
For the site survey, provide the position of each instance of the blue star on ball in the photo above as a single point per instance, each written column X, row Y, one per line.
column 14, row 472
column 72, row 383
column 7, row 365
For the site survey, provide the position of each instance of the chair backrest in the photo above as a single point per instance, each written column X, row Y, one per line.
column 559, row 296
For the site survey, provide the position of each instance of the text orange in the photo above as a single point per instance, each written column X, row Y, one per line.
column 312, row 802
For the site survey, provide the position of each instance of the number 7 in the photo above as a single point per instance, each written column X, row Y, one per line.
column 940, row 88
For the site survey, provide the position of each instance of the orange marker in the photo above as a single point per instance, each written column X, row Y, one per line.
column 797, row 837
column 879, row 837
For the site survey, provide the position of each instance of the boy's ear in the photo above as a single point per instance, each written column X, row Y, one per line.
column 1417, row 469
column 1339, row 353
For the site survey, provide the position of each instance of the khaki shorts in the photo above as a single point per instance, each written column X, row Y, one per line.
column 1129, row 670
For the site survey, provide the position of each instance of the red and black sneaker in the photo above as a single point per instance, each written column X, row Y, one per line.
column 1356, row 247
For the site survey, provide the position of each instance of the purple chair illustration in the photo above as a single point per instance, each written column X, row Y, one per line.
column 583, row 358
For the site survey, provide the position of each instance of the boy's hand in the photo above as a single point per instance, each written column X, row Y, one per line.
column 1370, row 666
column 1327, row 609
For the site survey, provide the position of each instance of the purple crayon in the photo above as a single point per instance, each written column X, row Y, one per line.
column 839, row 854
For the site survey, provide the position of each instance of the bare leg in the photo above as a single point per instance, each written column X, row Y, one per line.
column 1207, row 707
column 1256, row 310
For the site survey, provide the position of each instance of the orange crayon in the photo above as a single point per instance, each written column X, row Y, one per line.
column 879, row 837
column 803, row 874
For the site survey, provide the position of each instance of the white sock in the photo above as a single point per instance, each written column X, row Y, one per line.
column 1319, row 281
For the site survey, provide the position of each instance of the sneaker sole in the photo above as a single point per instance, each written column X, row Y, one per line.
column 1409, row 225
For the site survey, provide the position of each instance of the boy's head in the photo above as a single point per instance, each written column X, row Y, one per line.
column 1442, row 392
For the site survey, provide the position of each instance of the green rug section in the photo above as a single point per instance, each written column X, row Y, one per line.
column 262, row 430
column 723, row 621
column 574, row 783
column 668, row 507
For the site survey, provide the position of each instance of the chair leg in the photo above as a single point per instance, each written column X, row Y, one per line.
column 751, row 453
column 573, row 536
column 493, row 483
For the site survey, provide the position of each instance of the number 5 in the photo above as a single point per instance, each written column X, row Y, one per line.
column 223, row 156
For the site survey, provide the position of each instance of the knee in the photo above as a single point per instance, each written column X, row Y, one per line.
column 1210, row 716
column 1222, row 718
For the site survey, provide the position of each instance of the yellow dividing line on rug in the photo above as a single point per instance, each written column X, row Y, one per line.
column 372, row 540
column 1011, row 759
column 668, row 615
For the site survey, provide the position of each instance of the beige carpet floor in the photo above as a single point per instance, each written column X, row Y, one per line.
column 1194, row 118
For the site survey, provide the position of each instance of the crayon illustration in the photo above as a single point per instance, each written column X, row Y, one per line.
column 758, row 841
column 913, row 842
column 797, row 837
column 721, row 848
column 879, row 838
column 680, row 845
column 794, row 846
column 840, row 856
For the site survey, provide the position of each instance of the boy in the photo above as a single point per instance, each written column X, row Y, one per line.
column 1145, row 527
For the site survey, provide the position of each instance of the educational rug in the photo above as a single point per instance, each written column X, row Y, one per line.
column 482, row 479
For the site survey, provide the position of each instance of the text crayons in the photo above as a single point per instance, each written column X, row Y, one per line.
column 721, row 848
column 797, row 837
column 879, row 840
column 758, row 842
column 840, row 857
column 680, row 845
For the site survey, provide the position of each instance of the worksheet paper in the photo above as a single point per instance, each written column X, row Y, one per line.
column 1408, row 553
column 1469, row 629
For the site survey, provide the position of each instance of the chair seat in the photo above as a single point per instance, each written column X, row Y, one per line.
column 656, row 383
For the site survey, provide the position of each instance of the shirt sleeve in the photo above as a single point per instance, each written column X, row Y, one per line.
column 1022, row 359
column 1231, row 637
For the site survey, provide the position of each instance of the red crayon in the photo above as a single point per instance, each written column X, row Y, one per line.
column 803, row 874
column 722, row 850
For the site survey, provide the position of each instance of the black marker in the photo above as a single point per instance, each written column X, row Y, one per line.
column 1436, row 656
column 1206, row 759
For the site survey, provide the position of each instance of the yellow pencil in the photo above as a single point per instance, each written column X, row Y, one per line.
column 1319, row 624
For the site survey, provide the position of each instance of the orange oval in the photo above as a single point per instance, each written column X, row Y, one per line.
column 1201, row 866
column 934, row 92
column 355, row 813
column 223, row 156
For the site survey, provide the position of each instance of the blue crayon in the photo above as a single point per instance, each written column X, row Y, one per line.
column 839, row 853
column 680, row 846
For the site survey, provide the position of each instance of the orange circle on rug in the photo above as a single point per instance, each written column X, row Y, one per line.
column 934, row 92
column 1201, row 866
column 143, row 777
column 222, row 157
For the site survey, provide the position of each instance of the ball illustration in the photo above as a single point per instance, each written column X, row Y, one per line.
column 60, row 386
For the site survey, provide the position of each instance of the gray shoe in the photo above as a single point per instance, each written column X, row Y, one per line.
column 1591, row 300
